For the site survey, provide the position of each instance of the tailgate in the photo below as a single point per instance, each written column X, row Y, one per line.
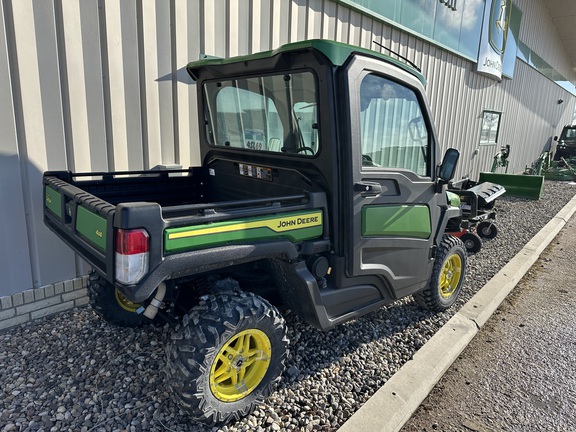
column 82, row 221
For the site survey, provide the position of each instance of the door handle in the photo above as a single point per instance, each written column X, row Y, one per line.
column 368, row 188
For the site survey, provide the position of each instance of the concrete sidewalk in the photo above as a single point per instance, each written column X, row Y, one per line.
column 391, row 406
column 518, row 373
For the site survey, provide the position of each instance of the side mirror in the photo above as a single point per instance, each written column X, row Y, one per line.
column 448, row 166
column 556, row 138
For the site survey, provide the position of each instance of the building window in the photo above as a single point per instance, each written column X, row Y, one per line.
column 490, row 127
column 456, row 25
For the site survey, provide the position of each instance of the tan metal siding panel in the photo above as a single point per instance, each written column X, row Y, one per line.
column 79, row 121
column 38, row 117
column 15, row 264
column 546, row 41
column 123, row 88
column 156, row 82
column 215, row 28
column 187, row 36
column 329, row 20
column 298, row 20
column 315, row 18
column 280, row 28
column 100, row 93
column 90, row 65
column 239, row 30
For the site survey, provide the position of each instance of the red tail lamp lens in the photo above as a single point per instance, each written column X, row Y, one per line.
column 131, row 242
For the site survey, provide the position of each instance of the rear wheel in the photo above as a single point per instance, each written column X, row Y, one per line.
column 472, row 242
column 487, row 230
column 111, row 305
column 227, row 356
column 448, row 273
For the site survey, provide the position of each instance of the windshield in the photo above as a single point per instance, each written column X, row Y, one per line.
column 274, row 113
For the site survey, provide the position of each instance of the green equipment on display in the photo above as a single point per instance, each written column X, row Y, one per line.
column 517, row 185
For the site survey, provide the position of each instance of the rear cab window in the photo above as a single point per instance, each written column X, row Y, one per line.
column 272, row 113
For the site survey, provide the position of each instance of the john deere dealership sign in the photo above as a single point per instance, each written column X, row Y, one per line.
column 493, row 39
column 451, row 4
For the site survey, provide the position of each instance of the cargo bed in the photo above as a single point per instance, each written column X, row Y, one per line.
column 84, row 209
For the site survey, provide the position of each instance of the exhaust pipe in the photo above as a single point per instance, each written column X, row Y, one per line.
column 156, row 303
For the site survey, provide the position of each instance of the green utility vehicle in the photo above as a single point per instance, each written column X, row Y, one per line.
column 566, row 144
column 321, row 190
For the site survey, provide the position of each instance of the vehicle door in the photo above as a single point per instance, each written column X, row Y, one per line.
column 393, row 158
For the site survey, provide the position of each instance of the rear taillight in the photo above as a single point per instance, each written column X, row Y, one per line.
column 132, row 250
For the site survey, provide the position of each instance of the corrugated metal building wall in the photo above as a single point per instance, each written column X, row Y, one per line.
column 99, row 85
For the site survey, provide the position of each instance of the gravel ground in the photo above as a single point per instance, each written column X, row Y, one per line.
column 75, row 372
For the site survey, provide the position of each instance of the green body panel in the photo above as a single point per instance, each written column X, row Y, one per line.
column 336, row 52
column 453, row 199
column 559, row 174
column 517, row 185
column 295, row 227
column 397, row 221
column 92, row 227
column 53, row 201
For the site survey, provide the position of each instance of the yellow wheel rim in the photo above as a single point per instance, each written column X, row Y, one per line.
column 124, row 302
column 240, row 365
column 450, row 275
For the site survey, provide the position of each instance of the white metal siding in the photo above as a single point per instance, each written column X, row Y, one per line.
column 540, row 34
column 15, row 264
column 100, row 85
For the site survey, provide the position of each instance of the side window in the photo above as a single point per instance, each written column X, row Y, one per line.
column 393, row 130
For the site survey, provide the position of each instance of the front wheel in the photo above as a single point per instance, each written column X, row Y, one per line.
column 227, row 356
column 448, row 273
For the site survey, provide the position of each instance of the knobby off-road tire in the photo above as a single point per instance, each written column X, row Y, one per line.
column 227, row 356
column 111, row 305
column 447, row 277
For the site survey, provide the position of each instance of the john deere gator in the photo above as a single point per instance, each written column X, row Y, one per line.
column 321, row 190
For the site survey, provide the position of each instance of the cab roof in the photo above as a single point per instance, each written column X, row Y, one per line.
column 337, row 54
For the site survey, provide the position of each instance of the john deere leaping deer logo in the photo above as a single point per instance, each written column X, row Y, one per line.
column 499, row 20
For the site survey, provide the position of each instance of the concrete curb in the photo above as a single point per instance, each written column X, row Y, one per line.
column 395, row 402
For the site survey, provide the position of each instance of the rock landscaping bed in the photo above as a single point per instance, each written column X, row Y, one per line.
column 75, row 372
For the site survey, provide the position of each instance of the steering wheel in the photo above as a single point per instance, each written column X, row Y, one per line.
column 305, row 149
column 417, row 129
column 367, row 161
